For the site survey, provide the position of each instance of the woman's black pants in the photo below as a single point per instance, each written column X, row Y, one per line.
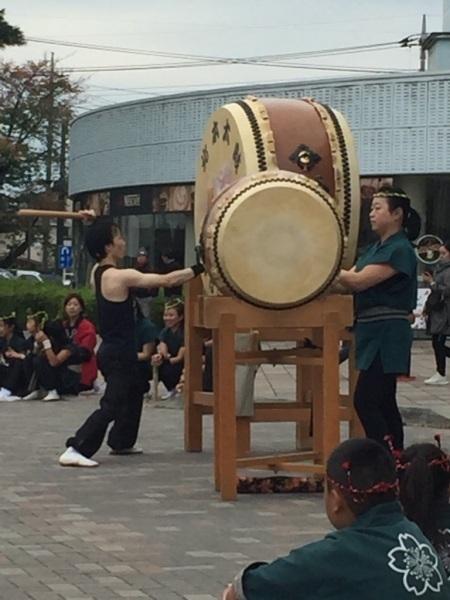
column 441, row 352
column 121, row 403
column 376, row 404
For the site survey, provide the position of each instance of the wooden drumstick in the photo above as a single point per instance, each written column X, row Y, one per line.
column 52, row 214
column 56, row 214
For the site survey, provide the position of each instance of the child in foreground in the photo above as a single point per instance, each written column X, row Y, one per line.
column 425, row 494
column 376, row 552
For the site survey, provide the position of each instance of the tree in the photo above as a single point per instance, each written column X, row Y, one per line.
column 37, row 102
column 9, row 35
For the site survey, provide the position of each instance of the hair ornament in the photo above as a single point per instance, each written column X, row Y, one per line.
column 12, row 315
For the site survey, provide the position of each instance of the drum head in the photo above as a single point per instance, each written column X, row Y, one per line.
column 273, row 239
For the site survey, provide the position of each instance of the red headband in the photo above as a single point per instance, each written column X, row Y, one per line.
column 360, row 494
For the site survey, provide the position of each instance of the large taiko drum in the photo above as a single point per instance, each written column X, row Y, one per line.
column 277, row 200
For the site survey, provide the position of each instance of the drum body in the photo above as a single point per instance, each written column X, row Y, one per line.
column 306, row 142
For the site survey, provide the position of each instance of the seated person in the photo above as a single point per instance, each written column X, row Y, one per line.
column 56, row 364
column 81, row 332
column 12, row 354
column 169, row 356
column 375, row 553
column 424, row 471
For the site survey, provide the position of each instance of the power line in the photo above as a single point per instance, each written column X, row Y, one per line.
column 230, row 60
column 120, row 50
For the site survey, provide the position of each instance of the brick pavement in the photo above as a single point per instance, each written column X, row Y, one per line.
column 146, row 526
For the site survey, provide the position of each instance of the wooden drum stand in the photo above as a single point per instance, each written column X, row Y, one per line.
column 318, row 401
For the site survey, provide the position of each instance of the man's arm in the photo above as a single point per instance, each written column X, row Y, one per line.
column 133, row 278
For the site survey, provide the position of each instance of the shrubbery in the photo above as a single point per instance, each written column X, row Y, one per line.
column 21, row 296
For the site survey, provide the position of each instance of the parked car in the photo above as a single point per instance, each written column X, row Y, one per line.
column 5, row 274
column 34, row 276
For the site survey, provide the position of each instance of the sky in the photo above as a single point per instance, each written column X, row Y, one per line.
column 208, row 28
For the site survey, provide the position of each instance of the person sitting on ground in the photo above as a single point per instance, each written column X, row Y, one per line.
column 425, row 494
column 375, row 553
column 81, row 332
column 170, row 351
column 12, row 355
column 34, row 323
column 54, row 364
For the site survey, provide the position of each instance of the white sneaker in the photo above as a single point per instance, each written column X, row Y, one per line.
column 72, row 458
column 32, row 395
column 169, row 394
column 99, row 386
column 51, row 396
column 9, row 398
column 4, row 394
column 436, row 379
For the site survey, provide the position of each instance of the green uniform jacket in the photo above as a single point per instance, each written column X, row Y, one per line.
column 382, row 556
column 382, row 311
column 443, row 542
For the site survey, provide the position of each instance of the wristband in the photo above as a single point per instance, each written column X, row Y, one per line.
column 47, row 345
column 198, row 268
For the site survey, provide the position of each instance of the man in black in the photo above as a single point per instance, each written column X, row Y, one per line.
column 117, row 354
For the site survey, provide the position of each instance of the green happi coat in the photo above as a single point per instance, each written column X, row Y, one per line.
column 382, row 311
column 382, row 556
column 443, row 540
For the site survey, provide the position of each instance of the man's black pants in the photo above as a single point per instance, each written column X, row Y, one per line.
column 376, row 404
column 121, row 403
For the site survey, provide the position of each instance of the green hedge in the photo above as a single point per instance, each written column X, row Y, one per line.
column 20, row 296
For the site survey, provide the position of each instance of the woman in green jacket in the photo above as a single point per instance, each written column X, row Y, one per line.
column 384, row 281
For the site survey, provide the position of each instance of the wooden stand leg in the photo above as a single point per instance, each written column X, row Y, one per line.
column 331, row 400
column 225, row 406
column 304, row 440
column 216, row 413
column 192, row 373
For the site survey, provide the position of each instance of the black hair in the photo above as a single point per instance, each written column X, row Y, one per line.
column 168, row 252
column 99, row 235
column 11, row 321
column 78, row 298
column 424, row 471
column 397, row 198
column 55, row 331
column 364, row 472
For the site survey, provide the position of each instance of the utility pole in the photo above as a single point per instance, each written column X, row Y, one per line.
column 423, row 35
column 50, row 118
column 49, row 159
